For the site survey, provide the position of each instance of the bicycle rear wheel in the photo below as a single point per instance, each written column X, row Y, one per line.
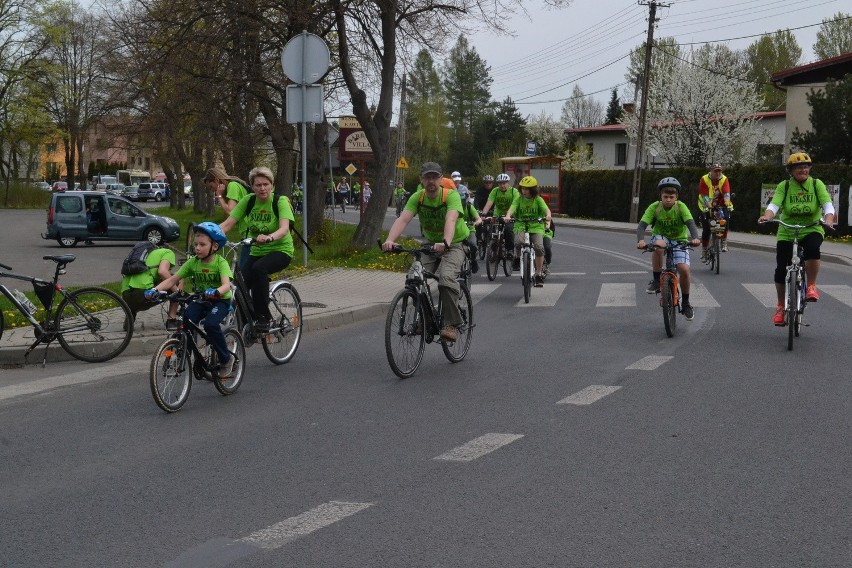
column 526, row 277
column 482, row 245
column 285, row 327
column 405, row 334
column 171, row 376
column 667, row 301
column 237, row 349
column 93, row 324
column 493, row 257
column 457, row 350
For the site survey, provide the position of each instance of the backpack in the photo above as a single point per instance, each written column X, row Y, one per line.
column 135, row 263
column 253, row 199
column 444, row 193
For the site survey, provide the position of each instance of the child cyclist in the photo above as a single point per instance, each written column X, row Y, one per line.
column 471, row 217
column 530, row 205
column 670, row 220
column 210, row 273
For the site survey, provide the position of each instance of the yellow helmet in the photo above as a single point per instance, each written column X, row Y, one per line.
column 798, row 158
column 528, row 181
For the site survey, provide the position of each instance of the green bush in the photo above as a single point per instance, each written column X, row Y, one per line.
column 22, row 196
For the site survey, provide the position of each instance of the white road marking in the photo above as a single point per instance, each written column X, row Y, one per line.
column 479, row 447
column 700, row 297
column 545, row 297
column 588, row 395
column 480, row 291
column 91, row 374
column 566, row 273
column 617, row 295
column 841, row 292
column 765, row 293
column 279, row 534
column 626, row 272
column 619, row 255
column 649, row 363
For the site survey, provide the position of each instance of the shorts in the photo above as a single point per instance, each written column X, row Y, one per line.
column 679, row 256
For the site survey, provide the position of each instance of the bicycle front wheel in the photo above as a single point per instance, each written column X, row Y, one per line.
column 457, row 350
column 171, row 376
column 526, row 277
column 792, row 307
column 492, row 258
column 483, row 246
column 93, row 324
column 507, row 266
column 405, row 334
column 667, row 301
column 285, row 328
column 717, row 252
column 237, row 349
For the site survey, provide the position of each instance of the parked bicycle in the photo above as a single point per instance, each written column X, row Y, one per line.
column 282, row 339
column 188, row 353
column 92, row 324
column 670, row 286
column 527, row 261
column 718, row 227
column 795, row 284
column 415, row 319
column 496, row 250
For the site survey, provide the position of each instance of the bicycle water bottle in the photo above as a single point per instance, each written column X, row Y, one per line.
column 25, row 302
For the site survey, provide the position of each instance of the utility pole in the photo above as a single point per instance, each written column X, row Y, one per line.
column 643, row 105
column 399, row 173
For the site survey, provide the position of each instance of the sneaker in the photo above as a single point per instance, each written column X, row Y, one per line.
column 653, row 287
column 261, row 325
column 539, row 281
column 724, row 245
column 687, row 312
column 546, row 271
column 703, row 254
column 811, row 295
column 449, row 333
column 778, row 318
column 516, row 264
column 474, row 265
column 171, row 324
column 225, row 369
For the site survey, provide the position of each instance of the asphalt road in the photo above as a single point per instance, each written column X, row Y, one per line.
column 574, row 434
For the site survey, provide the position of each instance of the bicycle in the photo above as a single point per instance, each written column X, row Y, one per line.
column 282, row 339
column 718, row 226
column 527, row 262
column 92, row 324
column 483, row 239
column 795, row 284
column 414, row 318
column 181, row 356
column 496, row 250
column 670, row 286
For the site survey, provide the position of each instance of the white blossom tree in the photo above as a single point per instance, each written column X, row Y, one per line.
column 547, row 132
column 689, row 124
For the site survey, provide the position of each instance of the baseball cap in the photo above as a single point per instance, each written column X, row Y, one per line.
column 430, row 168
column 716, row 167
column 455, row 175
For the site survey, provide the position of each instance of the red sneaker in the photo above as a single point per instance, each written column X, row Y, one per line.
column 778, row 318
column 811, row 295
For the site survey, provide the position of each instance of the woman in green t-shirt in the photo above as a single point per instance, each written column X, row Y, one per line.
column 268, row 223
column 526, row 206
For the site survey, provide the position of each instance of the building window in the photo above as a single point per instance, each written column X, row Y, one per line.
column 50, row 148
column 621, row 154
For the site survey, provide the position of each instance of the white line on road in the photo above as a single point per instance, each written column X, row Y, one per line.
column 841, row 292
column 649, row 363
column 91, row 374
column 765, row 293
column 626, row 272
column 480, row 291
column 479, row 447
column 700, row 297
column 279, row 534
column 617, row 295
column 588, row 395
column 542, row 297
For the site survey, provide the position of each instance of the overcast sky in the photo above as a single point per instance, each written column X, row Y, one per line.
column 589, row 42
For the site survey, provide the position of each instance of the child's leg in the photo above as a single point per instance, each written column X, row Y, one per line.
column 213, row 328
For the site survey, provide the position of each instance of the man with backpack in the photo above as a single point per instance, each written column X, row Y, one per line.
column 440, row 214
column 142, row 269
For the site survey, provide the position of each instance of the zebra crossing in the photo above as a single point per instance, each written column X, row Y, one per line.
column 627, row 294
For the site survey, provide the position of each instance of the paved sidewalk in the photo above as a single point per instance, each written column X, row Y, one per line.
column 339, row 296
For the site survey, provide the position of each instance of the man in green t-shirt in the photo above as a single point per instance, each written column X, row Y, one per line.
column 133, row 287
column 440, row 215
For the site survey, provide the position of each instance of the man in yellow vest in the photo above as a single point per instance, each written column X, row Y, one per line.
column 714, row 191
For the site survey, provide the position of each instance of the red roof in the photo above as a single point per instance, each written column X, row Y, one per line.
column 818, row 70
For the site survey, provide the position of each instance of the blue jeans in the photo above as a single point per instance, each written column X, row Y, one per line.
column 213, row 313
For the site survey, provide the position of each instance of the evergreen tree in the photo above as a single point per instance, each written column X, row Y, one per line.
column 614, row 111
column 467, row 85
column 428, row 136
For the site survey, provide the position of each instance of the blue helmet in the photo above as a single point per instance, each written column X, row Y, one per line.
column 213, row 231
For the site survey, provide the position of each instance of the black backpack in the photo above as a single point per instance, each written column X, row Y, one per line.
column 134, row 263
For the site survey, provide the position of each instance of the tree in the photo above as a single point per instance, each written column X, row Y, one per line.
column 467, row 84
column 581, row 111
column 834, row 36
column 664, row 53
column 691, row 125
column 548, row 133
column 428, row 134
column 831, row 119
column 766, row 56
column 614, row 110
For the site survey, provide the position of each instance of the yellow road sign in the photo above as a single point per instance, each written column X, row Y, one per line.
column 351, row 169
column 402, row 164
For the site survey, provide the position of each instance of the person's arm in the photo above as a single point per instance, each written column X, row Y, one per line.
column 703, row 195
column 164, row 270
column 227, row 224
column 225, row 285
column 488, row 205
column 640, row 234
column 168, row 283
column 397, row 228
column 449, row 230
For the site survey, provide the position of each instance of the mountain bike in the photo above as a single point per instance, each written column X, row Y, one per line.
column 795, row 284
column 483, row 239
column 92, row 324
column 670, row 286
column 188, row 353
column 415, row 319
column 282, row 339
column 528, row 257
column 718, row 226
column 496, row 250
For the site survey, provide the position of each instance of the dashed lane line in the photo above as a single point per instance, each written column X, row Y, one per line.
column 588, row 395
column 478, row 447
column 649, row 363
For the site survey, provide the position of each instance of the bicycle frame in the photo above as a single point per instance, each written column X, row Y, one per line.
column 417, row 281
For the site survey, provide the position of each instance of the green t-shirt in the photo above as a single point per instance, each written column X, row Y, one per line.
column 148, row 279
column 671, row 223
column 200, row 276
column 532, row 208
column 502, row 199
column 800, row 204
column 236, row 191
column 432, row 214
column 261, row 220
column 399, row 192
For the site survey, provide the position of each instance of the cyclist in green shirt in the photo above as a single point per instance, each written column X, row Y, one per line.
column 160, row 262
column 530, row 205
column 501, row 198
column 440, row 215
column 399, row 194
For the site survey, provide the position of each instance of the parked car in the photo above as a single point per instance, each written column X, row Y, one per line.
column 130, row 192
column 75, row 215
column 114, row 188
column 152, row 190
column 187, row 188
column 59, row 186
column 42, row 185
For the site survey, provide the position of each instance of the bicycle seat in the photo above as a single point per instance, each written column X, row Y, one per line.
column 61, row 258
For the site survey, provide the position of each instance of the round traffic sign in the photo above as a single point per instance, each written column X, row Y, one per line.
column 305, row 58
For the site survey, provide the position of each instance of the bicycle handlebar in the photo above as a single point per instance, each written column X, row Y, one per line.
column 651, row 247
column 799, row 227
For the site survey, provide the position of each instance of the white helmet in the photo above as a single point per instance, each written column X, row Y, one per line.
column 455, row 176
column 502, row 177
